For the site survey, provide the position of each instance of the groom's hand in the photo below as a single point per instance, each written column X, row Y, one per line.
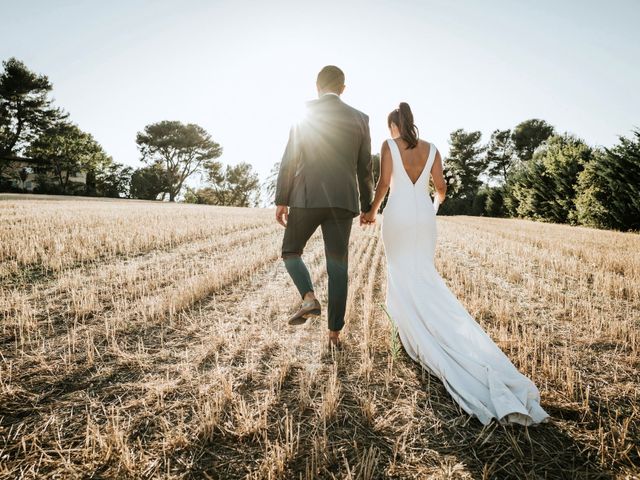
column 282, row 214
column 367, row 218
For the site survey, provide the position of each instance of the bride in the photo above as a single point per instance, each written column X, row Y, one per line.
column 434, row 327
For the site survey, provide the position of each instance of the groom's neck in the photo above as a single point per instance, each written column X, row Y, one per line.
column 322, row 93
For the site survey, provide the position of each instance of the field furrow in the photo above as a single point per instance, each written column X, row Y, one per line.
column 166, row 354
column 38, row 238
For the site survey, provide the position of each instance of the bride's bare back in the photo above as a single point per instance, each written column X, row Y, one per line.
column 414, row 161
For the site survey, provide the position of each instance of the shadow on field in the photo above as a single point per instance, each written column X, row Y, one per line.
column 348, row 441
column 510, row 451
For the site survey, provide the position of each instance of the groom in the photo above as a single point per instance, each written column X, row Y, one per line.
column 325, row 180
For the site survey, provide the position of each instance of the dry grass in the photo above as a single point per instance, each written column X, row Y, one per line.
column 144, row 340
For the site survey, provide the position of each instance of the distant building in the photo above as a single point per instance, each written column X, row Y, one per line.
column 23, row 172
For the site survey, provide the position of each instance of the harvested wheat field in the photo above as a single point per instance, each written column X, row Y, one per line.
column 149, row 340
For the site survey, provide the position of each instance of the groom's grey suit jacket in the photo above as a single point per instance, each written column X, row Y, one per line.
column 327, row 161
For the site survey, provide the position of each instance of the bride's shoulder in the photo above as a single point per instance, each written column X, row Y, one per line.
column 428, row 145
column 385, row 150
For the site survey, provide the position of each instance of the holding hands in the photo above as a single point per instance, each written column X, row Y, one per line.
column 368, row 218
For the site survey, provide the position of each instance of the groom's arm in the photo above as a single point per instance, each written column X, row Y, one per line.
column 287, row 171
column 365, row 168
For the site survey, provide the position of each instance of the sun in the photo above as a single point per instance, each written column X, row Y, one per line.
column 297, row 113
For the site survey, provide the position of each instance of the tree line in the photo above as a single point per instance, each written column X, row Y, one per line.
column 39, row 141
column 530, row 171
column 534, row 172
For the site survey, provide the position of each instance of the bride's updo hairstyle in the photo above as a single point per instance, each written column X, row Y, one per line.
column 403, row 118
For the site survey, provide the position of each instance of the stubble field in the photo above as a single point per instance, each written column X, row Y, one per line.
column 149, row 340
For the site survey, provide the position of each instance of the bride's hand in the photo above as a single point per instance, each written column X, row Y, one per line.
column 368, row 218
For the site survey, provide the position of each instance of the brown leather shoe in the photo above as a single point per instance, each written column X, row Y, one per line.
column 307, row 310
column 335, row 344
column 331, row 351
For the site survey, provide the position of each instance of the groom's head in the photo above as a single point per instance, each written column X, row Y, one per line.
column 330, row 79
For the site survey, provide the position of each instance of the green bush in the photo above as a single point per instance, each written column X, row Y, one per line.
column 456, row 206
column 478, row 203
column 609, row 187
column 544, row 188
column 494, row 203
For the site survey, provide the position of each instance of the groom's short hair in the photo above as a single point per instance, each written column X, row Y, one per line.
column 330, row 78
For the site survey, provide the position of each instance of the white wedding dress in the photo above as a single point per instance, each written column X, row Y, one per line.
column 434, row 327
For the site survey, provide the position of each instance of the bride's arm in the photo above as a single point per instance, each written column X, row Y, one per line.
column 437, row 175
column 385, row 177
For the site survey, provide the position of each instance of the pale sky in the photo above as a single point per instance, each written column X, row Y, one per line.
column 243, row 69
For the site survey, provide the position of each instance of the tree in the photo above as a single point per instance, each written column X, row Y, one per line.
column 25, row 109
column 609, row 187
column 545, row 187
column 466, row 161
column 235, row 186
column 494, row 204
column 4, row 127
column 488, row 201
column 462, row 169
column 271, row 182
column 148, row 182
column 180, row 149
column 196, row 196
column 500, row 154
column 479, row 200
column 68, row 150
column 376, row 166
column 529, row 189
column 113, row 180
column 23, row 174
column 529, row 135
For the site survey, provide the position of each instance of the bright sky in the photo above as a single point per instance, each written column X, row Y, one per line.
column 242, row 69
